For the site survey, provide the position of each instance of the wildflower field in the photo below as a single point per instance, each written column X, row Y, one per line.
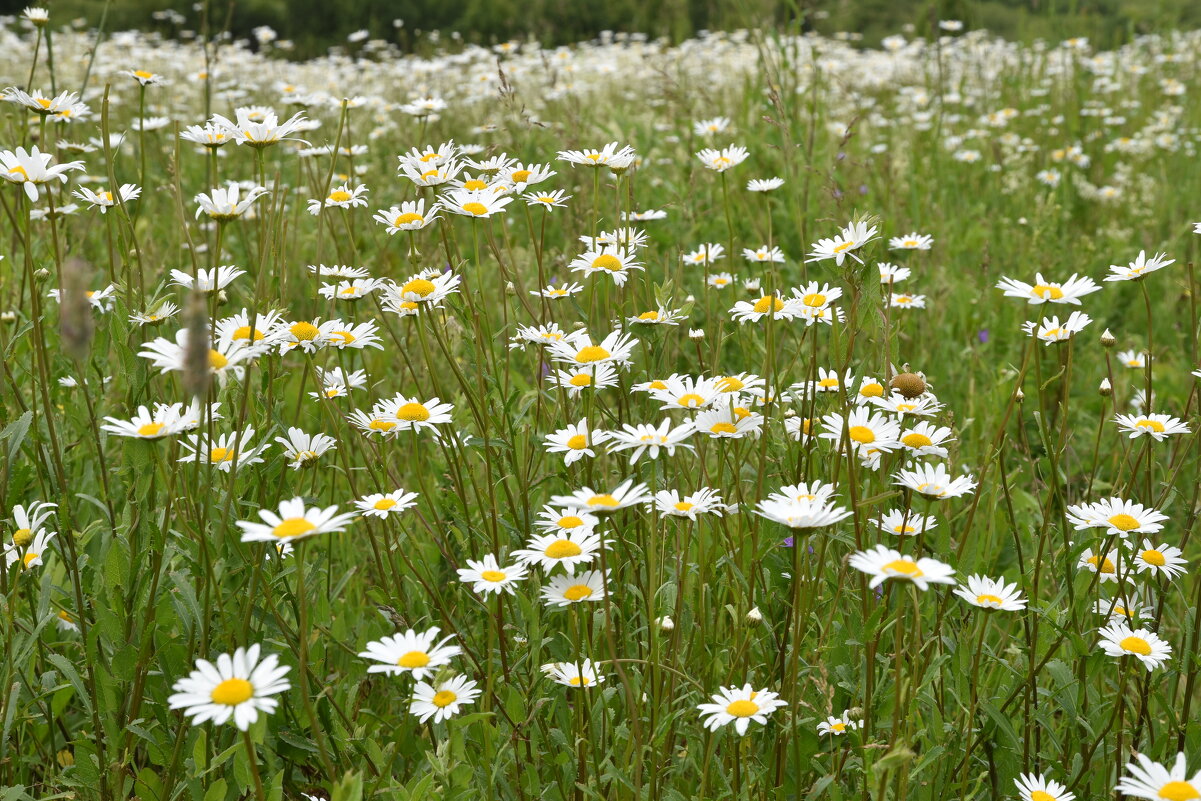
column 765, row 416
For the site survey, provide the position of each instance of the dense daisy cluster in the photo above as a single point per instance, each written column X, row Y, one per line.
column 424, row 420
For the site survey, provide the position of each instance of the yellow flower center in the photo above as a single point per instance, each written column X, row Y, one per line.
column 906, row 567
column 520, row 176
column 1046, row 292
column 1039, row 795
column 443, row 699
column 592, row 353
column 232, row 692
column 828, row 383
column 844, row 246
column 577, row 681
column 650, row 315
column 478, row 209
column 1124, row 522
column 413, row 412
column 19, row 170
column 381, row 425
column 766, row 303
column 903, row 529
column 292, row 527
column 742, row 709
column 988, row 599
column 603, row 499
column 413, row 659
column 607, row 261
column 1136, row 645
column 683, row 506
column 577, row 592
column 570, row 521
column 1154, row 425
column 723, row 428
column 581, row 380
column 217, row 361
column 872, row 390
column 43, row 102
column 1106, row 567
column 383, row 504
column 578, row 442
column 861, row 434
column 562, row 549
column 408, row 218
column 150, row 429
column 814, row 300
column 418, row 286
column 690, row 400
column 222, row 454
column 1178, row 791
column 304, row 332
column 1154, row 557
column 143, row 74
column 493, row 576
column 246, row 332
column 22, row 537
column 475, row 184
column 340, row 196
column 916, row 440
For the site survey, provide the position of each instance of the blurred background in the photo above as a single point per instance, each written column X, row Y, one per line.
column 313, row 26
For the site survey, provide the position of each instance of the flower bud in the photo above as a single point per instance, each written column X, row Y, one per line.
column 1108, row 340
column 665, row 623
column 1019, row 396
column 696, row 333
column 1106, row 388
column 754, row 617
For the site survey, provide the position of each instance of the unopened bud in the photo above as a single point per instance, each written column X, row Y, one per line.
column 222, row 298
column 665, row 623
column 1108, row 339
column 696, row 333
column 41, row 274
column 8, row 316
column 754, row 617
column 509, row 288
column 1019, row 396
column 1106, row 388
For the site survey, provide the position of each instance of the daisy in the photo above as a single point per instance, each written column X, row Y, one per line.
column 913, row 241
column 343, row 197
column 556, row 292
column 724, row 159
column 1139, row 268
column 626, row 494
column 227, row 204
column 39, row 102
column 703, row 501
column 898, row 404
column 303, row 449
column 236, row 687
column 443, row 700
column 337, row 383
column 523, row 175
column 1118, row 639
column 165, row 311
column 424, row 175
column 581, row 349
column 164, row 421
column 578, row 379
column 903, row 523
column 1044, row 291
column 410, row 413
column 573, row 589
column 716, row 125
column 568, row 548
column 209, row 135
column 801, row 514
column 1033, row 787
column 740, row 707
column 474, row 204
column 764, row 184
column 1133, row 359
column 1051, row 330
column 1162, row 560
column 883, row 563
column 29, row 522
column 580, row 675
column 33, row 168
column 224, row 452
column 906, row 301
column 685, row 392
column 575, row 441
column 606, row 261
column 548, row 200
column 224, row 357
column 728, row 422
column 773, row 306
column 101, row 300
column 721, row 280
column 934, row 481
column 565, row 520
column 705, row 254
column 649, row 439
column 613, row 153
column 891, row 274
column 378, row 423
column 488, row 576
column 865, row 430
column 1159, row 426
column 659, row 316
column 410, row 652
column 31, row 553
column 383, row 505
column 926, row 439
column 1105, row 565
column 764, row 254
column 990, row 593
column 294, row 522
column 259, row 131
column 104, row 199
column 259, row 328
column 837, row 726
column 408, row 216
column 854, row 236
column 536, row 335
column 1124, row 609
column 1119, row 517
column 212, row 280
column 1153, row 781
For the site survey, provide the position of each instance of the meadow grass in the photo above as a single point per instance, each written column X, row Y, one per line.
column 436, row 441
